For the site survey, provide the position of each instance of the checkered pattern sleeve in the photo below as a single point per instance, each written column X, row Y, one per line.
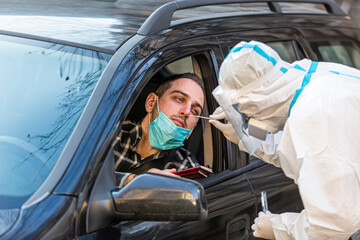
column 127, row 158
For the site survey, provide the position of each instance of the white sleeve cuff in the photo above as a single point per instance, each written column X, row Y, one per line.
column 290, row 226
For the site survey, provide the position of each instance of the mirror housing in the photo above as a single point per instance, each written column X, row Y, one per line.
column 156, row 197
column 148, row 196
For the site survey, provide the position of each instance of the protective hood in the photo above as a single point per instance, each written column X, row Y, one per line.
column 259, row 83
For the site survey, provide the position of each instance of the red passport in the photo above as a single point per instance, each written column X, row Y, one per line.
column 195, row 172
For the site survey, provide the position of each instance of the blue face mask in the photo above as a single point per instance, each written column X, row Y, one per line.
column 164, row 134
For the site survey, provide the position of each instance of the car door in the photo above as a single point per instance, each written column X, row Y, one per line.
column 232, row 202
column 230, row 199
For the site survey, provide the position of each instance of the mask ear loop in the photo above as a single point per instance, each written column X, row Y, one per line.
column 157, row 105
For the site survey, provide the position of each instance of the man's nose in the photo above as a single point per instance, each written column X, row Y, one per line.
column 185, row 110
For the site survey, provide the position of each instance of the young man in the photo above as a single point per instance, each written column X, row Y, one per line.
column 154, row 144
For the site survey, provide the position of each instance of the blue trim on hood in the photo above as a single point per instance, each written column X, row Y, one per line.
column 344, row 74
column 257, row 49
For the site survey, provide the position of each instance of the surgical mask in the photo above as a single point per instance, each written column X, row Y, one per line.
column 164, row 134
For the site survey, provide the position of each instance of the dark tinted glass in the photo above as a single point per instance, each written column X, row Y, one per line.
column 285, row 49
column 339, row 51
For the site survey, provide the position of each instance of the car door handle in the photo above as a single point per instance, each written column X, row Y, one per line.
column 238, row 228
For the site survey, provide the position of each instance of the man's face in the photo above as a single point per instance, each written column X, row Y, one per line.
column 183, row 98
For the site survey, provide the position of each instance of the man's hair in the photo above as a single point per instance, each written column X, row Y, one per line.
column 167, row 82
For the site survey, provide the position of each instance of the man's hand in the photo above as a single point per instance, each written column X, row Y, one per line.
column 262, row 226
column 226, row 128
column 129, row 178
column 164, row 172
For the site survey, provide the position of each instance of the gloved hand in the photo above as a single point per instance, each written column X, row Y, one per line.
column 226, row 128
column 262, row 226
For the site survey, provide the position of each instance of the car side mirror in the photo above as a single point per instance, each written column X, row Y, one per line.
column 149, row 196
column 160, row 198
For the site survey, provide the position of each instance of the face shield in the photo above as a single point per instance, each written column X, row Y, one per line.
column 236, row 118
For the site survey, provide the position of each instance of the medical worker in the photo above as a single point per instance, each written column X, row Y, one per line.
column 306, row 118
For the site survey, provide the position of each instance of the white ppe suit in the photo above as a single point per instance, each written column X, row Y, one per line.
column 316, row 105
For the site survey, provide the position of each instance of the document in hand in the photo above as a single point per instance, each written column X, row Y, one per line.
column 194, row 173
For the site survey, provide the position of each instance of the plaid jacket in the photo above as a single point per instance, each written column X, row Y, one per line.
column 127, row 158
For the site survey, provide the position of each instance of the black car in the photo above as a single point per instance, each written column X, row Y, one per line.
column 73, row 71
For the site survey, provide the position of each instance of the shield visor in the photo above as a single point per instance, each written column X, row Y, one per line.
column 237, row 119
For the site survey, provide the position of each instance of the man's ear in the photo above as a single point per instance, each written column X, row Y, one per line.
column 150, row 102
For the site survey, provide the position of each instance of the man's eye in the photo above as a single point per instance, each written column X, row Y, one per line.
column 180, row 99
column 195, row 111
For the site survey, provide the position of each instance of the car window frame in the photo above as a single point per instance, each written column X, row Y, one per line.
column 205, row 60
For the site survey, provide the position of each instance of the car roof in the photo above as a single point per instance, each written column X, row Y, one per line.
column 104, row 25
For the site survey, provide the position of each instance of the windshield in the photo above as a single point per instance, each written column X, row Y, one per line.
column 44, row 89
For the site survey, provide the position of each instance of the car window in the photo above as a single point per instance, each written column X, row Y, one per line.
column 286, row 50
column 200, row 142
column 339, row 51
column 45, row 88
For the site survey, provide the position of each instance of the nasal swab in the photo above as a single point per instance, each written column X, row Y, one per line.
column 199, row 116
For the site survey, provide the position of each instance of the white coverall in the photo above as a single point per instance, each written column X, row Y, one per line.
column 320, row 143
